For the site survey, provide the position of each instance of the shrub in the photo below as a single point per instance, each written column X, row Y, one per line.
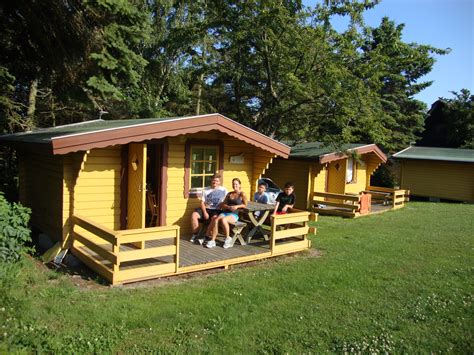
column 383, row 177
column 14, row 231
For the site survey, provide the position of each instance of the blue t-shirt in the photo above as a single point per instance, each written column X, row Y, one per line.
column 260, row 198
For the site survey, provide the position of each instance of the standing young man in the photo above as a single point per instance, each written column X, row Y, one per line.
column 211, row 200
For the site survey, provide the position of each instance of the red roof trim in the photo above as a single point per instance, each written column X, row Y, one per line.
column 370, row 148
column 169, row 128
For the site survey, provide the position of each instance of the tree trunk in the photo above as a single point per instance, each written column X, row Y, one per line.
column 165, row 73
column 199, row 94
column 30, row 113
column 53, row 115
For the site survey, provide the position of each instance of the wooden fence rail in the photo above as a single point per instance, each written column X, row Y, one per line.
column 290, row 225
column 351, row 205
column 396, row 197
column 117, row 255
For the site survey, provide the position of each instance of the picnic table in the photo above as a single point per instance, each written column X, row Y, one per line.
column 259, row 219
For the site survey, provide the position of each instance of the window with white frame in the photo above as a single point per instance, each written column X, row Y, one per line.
column 204, row 163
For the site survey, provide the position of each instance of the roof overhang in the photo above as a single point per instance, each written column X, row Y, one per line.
column 454, row 155
column 168, row 128
column 366, row 149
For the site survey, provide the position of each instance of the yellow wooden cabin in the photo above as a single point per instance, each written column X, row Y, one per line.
column 336, row 182
column 438, row 173
column 89, row 187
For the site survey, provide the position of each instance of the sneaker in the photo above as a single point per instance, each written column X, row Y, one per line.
column 193, row 238
column 228, row 243
column 211, row 244
column 201, row 241
column 205, row 240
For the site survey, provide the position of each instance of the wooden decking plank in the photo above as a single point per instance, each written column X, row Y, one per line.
column 145, row 262
column 375, row 208
column 159, row 243
column 192, row 255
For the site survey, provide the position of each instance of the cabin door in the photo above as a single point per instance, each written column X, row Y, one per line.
column 136, row 186
column 336, row 177
column 154, row 186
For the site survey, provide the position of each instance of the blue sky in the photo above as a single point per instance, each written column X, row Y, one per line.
column 441, row 24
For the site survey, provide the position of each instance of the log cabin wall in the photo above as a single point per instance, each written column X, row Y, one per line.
column 40, row 186
column 447, row 180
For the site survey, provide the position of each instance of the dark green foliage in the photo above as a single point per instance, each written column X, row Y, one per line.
column 70, row 58
column 394, row 69
column 14, row 232
column 450, row 122
column 277, row 67
column 9, row 178
column 383, row 176
column 9, row 108
column 124, row 30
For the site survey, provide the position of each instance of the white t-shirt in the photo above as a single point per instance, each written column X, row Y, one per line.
column 213, row 197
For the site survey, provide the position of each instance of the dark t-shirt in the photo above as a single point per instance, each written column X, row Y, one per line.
column 284, row 200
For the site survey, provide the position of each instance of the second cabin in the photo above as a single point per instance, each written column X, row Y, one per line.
column 336, row 182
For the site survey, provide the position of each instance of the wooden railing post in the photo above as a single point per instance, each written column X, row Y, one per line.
column 272, row 234
column 176, row 258
column 116, row 251
column 139, row 245
column 313, row 219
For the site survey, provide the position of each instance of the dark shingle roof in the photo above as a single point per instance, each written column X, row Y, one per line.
column 312, row 150
column 45, row 135
column 434, row 153
column 103, row 133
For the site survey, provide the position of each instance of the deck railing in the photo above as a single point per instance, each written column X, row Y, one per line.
column 349, row 204
column 286, row 228
column 395, row 197
column 120, row 256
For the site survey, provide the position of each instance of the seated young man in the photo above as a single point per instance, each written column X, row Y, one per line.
column 211, row 200
column 285, row 200
column 261, row 195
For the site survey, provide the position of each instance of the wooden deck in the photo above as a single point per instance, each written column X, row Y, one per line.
column 375, row 208
column 140, row 254
column 380, row 199
column 190, row 254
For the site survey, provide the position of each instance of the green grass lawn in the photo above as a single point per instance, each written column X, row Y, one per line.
column 397, row 282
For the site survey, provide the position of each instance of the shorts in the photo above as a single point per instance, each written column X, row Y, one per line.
column 280, row 212
column 210, row 212
column 235, row 215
